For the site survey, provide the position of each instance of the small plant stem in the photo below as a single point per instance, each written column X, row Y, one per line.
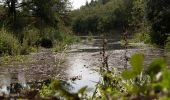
column 104, row 56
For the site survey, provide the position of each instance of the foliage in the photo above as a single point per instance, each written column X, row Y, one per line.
column 64, row 40
column 141, row 37
column 158, row 13
column 31, row 41
column 101, row 17
column 137, row 64
column 8, row 43
column 139, row 83
column 138, row 19
column 35, row 23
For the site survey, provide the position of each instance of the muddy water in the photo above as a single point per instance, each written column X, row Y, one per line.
column 78, row 65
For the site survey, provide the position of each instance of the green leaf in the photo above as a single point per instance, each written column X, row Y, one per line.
column 128, row 74
column 156, row 66
column 136, row 62
column 166, row 79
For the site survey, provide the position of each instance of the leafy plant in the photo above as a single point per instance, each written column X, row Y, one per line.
column 137, row 82
column 136, row 62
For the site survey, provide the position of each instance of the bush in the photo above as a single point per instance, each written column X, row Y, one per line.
column 64, row 40
column 141, row 37
column 31, row 36
column 9, row 45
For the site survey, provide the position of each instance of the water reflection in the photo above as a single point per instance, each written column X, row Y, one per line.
column 5, row 83
column 12, row 82
column 81, row 67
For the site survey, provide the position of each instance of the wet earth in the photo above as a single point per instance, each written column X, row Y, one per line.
column 78, row 65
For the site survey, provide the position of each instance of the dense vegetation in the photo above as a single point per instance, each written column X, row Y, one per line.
column 147, row 20
column 48, row 20
column 33, row 23
column 101, row 16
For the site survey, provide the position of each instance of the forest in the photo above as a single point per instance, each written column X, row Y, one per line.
column 104, row 50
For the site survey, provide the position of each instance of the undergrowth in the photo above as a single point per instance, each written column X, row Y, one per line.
column 140, row 37
column 66, row 39
column 9, row 44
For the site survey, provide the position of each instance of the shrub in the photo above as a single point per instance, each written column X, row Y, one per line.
column 9, row 45
column 141, row 37
column 31, row 36
column 64, row 40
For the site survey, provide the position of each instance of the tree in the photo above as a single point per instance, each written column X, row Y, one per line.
column 158, row 16
column 138, row 17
